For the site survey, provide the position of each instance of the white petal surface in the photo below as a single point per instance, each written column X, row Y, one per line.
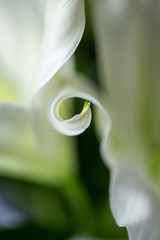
column 127, row 38
column 21, row 27
column 64, row 25
column 134, row 205
column 55, row 93
column 20, row 155
column 128, row 56
column 75, row 125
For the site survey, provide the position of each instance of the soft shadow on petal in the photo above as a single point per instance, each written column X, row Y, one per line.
column 59, row 43
column 64, row 26
column 20, row 155
column 21, row 24
column 127, row 39
column 134, row 205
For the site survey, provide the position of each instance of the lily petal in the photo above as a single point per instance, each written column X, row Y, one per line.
column 127, row 71
column 20, row 156
column 59, row 43
column 134, row 205
column 21, row 24
column 64, row 26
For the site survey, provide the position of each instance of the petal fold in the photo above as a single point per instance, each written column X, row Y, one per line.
column 134, row 204
column 64, row 26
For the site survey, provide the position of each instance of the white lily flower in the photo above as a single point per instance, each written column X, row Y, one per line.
column 61, row 32
column 38, row 39
column 22, row 26
column 59, row 43
column 37, row 154
column 128, row 36
column 133, row 201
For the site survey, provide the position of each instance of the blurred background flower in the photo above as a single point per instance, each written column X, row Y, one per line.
column 127, row 36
